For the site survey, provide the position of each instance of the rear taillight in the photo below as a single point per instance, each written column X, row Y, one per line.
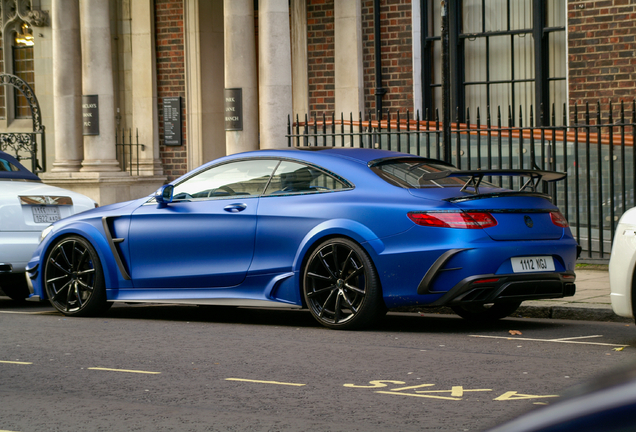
column 453, row 219
column 558, row 219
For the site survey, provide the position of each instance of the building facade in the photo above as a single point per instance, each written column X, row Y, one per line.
column 171, row 75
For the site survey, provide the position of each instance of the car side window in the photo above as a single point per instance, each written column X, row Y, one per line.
column 241, row 178
column 291, row 178
column 5, row 165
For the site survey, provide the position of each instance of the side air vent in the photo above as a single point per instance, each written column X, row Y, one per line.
column 112, row 242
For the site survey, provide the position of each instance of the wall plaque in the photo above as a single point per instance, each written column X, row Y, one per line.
column 233, row 109
column 172, row 121
column 90, row 115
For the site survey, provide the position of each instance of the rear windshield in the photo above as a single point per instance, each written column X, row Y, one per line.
column 410, row 173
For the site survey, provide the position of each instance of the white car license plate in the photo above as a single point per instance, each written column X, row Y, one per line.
column 44, row 214
column 532, row 264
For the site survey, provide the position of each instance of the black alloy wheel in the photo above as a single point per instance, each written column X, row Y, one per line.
column 74, row 279
column 341, row 286
column 487, row 312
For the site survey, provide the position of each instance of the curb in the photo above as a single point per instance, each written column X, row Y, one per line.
column 602, row 314
column 605, row 314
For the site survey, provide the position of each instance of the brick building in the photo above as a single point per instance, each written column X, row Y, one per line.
column 298, row 57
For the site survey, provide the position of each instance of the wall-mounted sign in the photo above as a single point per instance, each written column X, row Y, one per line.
column 172, row 121
column 234, row 109
column 90, row 115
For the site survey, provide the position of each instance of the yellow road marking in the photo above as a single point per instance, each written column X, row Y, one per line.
column 15, row 362
column 264, row 382
column 513, row 395
column 412, row 387
column 457, row 391
column 418, row 395
column 123, row 370
column 376, row 384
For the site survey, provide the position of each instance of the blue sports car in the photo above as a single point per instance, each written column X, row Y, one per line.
column 347, row 233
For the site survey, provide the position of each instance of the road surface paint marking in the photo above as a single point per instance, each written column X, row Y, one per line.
column 457, row 391
column 548, row 340
column 513, row 395
column 123, row 370
column 578, row 337
column 32, row 313
column 412, row 387
column 377, row 384
column 417, row 395
column 15, row 362
column 265, row 382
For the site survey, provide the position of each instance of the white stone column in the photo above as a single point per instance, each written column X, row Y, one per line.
column 205, row 129
column 240, row 70
column 348, row 80
column 275, row 80
column 97, row 73
column 300, row 82
column 67, row 85
column 145, row 111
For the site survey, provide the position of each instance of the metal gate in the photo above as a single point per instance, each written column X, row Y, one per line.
column 24, row 145
column 596, row 148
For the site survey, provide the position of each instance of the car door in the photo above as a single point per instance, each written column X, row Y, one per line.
column 205, row 236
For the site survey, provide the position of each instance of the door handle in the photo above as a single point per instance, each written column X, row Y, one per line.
column 235, row 208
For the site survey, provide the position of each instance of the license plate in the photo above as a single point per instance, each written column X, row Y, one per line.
column 43, row 214
column 532, row 264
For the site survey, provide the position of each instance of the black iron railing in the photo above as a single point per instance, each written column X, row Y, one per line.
column 595, row 148
column 128, row 152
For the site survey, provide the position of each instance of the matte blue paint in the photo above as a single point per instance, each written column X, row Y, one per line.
column 254, row 248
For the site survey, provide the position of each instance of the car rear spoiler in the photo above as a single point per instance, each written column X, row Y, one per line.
column 475, row 177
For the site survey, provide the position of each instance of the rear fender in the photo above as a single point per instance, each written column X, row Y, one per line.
column 338, row 228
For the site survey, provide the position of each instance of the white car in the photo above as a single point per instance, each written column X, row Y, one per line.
column 27, row 206
column 621, row 265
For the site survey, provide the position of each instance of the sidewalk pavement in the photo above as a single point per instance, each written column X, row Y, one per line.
column 591, row 301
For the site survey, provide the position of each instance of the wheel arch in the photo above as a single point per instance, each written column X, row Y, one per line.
column 95, row 238
column 350, row 229
column 337, row 228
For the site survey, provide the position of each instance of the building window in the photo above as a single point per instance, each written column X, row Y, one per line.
column 503, row 53
column 24, row 68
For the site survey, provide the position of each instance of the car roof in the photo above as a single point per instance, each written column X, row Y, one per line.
column 7, row 166
column 362, row 155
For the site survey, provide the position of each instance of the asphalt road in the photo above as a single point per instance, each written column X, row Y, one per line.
column 161, row 368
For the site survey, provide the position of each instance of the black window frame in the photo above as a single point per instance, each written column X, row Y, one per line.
column 539, row 31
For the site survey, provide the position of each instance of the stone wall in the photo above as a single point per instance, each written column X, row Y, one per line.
column 320, row 56
column 396, row 55
column 601, row 52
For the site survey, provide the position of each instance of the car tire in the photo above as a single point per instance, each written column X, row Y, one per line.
column 74, row 279
column 485, row 313
column 341, row 287
column 15, row 286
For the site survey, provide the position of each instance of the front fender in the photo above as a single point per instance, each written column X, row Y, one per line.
column 95, row 236
column 341, row 228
